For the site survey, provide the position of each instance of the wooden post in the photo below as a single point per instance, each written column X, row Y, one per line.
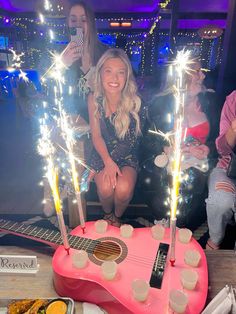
column 174, row 24
column 227, row 75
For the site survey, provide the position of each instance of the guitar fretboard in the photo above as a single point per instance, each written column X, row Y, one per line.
column 47, row 235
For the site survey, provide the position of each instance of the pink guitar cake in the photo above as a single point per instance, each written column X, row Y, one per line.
column 138, row 257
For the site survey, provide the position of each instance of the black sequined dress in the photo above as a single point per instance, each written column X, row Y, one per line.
column 124, row 152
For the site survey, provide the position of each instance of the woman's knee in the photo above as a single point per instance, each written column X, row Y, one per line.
column 220, row 201
column 105, row 190
column 124, row 191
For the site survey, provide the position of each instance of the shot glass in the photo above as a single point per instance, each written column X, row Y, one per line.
column 109, row 269
column 101, row 226
column 192, row 258
column 140, row 289
column 178, row 301
column 184, row 235
column 80, row 259
column 158, row 232
column 189, row 278
column 126, row 231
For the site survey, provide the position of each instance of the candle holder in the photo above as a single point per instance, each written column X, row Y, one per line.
column 172, row 240
column 63, row 231
column 80, row 211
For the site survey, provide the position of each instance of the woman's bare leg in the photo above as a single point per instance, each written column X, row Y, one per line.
column 124, row 189
column 105, row 192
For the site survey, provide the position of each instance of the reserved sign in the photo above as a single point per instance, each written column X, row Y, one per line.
column 18, row 264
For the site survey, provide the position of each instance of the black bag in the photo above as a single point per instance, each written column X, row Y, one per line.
column 231, row 171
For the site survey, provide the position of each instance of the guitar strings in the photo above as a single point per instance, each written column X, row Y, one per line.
column 106, row 248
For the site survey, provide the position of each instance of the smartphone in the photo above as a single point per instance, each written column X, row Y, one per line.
column 77, row 35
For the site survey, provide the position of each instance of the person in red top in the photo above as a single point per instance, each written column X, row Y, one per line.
column 222, row 189
column 158, row 152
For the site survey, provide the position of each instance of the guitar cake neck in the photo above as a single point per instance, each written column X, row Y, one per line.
column 50, row 237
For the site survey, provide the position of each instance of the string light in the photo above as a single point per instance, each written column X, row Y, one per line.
column 164, row 4
column 58, row 31
column 154, row 24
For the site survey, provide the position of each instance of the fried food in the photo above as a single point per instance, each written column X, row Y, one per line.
column 20, row 307
column 36, row 306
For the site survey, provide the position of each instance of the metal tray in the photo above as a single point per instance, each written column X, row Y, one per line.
column 70, row 304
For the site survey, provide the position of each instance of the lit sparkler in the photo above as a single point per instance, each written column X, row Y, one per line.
column 47, row 150
column 181, row 66
column 67, row 134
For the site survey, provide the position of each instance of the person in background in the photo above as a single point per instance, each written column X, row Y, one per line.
column 222, row 186
column 79, row 58
column 155, row 177
column 116, row 118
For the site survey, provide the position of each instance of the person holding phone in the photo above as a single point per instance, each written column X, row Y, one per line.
column 81, row 56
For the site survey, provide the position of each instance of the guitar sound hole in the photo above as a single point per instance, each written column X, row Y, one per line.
column 107, row 251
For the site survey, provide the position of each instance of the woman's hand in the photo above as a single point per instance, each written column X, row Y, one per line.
column 110, row 172
column 199, row 152
column 71, row 54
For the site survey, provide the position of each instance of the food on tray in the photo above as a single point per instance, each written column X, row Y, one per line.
column 56, row 307
column 40, row 303
column 19, row 307
column 39, row 306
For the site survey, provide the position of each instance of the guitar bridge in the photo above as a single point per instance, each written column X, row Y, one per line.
column 159, row 266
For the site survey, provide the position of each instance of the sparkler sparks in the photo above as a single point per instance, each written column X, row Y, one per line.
column 23, row 76
column 47, row 150
column 56, row 67
column 68, row 135
column 182, row 63
column 41, row 17
column 167, row 136
column 181, row 66
column 47, row 5
column 16, row 60
column 16, row 64
column 67, row 130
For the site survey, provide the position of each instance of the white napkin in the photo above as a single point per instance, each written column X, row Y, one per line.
column 233, row 293
column 222, row 302
column 89, row 308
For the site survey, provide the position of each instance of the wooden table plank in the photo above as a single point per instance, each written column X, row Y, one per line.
column 222, row 270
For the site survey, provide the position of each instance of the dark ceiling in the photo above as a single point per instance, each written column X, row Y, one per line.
column 122, row 6
column 191, row 13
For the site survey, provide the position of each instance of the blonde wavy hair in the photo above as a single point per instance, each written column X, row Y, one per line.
column 130, row 102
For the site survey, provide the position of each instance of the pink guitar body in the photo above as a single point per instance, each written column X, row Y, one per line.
column 135, row 261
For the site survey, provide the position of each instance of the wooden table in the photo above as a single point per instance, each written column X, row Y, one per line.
column 31, row 286
column 222, row 270
column 221, row 266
